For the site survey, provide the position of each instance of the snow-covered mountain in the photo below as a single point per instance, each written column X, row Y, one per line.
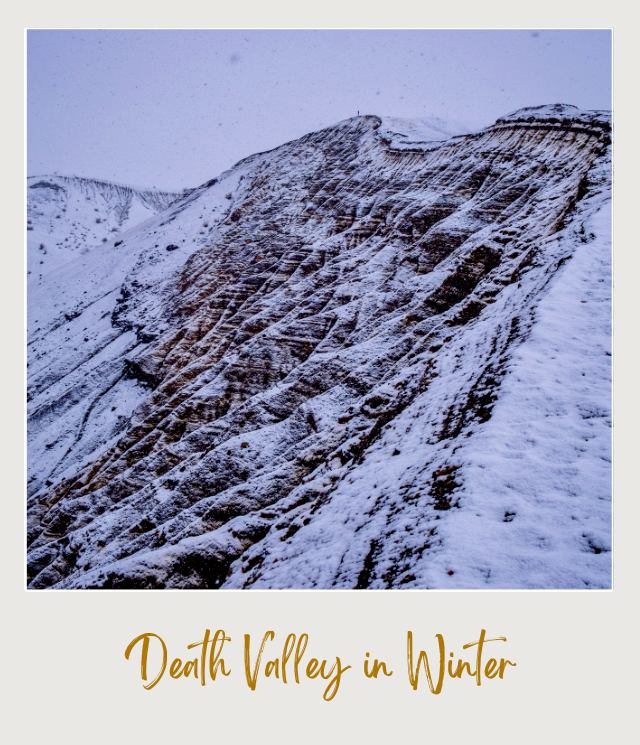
column 372, row 357
column 69, row 214
column 419, row 134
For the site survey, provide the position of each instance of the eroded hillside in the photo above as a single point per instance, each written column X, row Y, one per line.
column 358, row 360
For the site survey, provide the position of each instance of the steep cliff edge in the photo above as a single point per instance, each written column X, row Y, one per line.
column 351, row 361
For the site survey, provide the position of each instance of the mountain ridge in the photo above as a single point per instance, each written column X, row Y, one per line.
column 255, row 355
column 69, row 214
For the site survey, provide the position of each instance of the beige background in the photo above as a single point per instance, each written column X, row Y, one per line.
column 63, row 673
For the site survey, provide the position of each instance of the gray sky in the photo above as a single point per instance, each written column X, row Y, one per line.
column 174, row 108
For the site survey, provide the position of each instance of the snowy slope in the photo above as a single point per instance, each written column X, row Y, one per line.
column 68, row 214
column 419, row 134
column 373, row 357
column 537, row 490
column 79, row 396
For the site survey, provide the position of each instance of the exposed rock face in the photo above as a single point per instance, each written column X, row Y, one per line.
column 280, row 380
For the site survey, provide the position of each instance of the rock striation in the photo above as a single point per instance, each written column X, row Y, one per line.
column 299, row 373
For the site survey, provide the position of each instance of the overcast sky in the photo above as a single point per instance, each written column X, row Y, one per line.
column 172, row 109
